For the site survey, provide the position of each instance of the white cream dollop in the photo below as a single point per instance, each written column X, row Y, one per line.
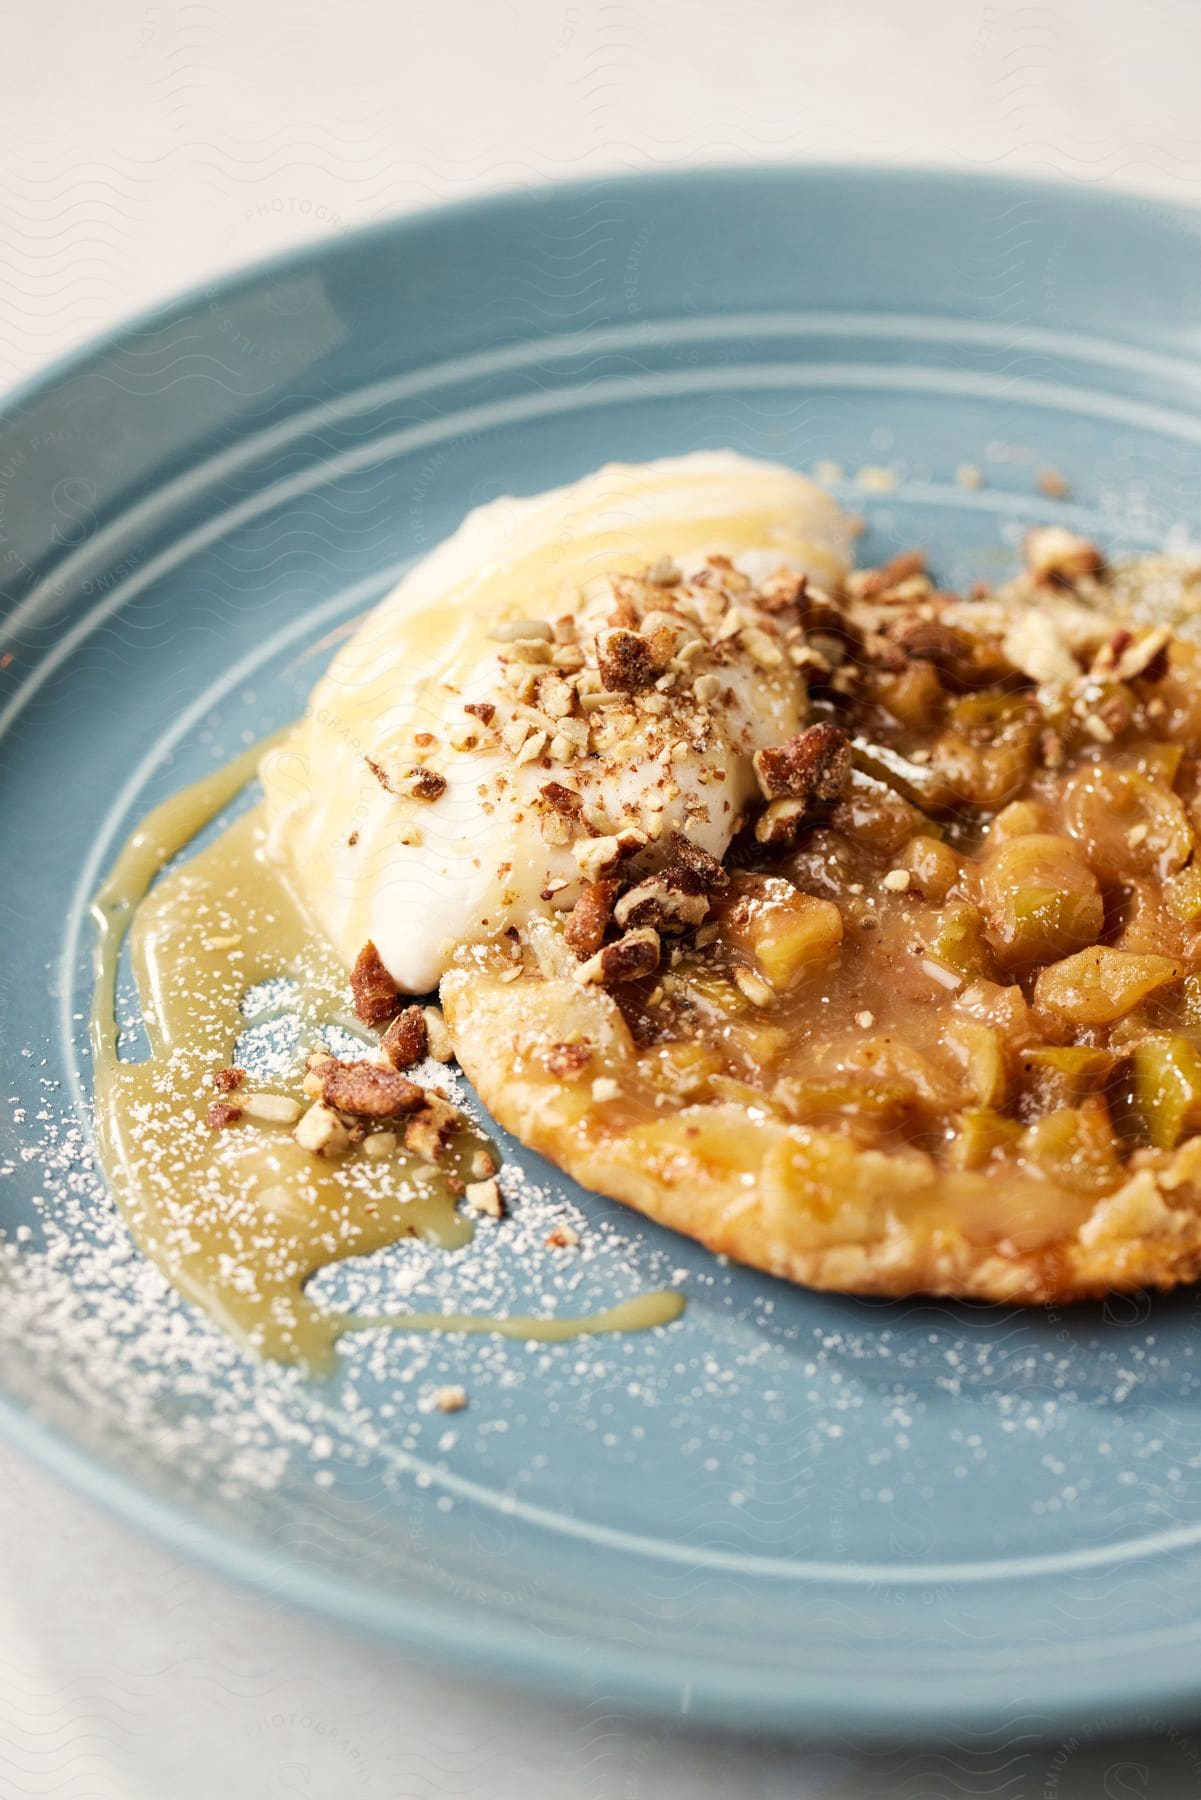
column 419, row 877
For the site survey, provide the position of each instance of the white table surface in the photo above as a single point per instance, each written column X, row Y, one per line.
column 145, row 146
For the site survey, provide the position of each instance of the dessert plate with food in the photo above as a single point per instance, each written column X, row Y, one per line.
column 605, row 1055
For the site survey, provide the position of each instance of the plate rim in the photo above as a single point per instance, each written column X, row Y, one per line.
column 505, row 1649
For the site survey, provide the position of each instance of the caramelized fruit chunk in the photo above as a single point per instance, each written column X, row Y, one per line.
column 1100, row 986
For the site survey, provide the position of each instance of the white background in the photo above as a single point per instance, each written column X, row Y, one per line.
column 145, row 146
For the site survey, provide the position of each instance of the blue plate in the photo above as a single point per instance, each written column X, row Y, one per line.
column 789, row 1510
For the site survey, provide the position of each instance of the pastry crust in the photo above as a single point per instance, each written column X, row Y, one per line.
column 795, row 1202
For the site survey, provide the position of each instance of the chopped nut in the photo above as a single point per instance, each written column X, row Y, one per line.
column 567, row 1060
column 779, row 824
column 510, row 631
column 1033, row 646
column 530, row 654
column 1147, row 656
column 630, row 957
column 418, row 783
column 563, row 799
column 375, row 993
column 706, row 688
column 896, row 881
column 314, row 1062
column 438, row 1042
column 226, row 1080
column 563, row 1237
column 812, row 766
column 604, row 1088
column 1051, row 483
column 584, row 931
column 481, row 709
column 406, row 1040
column 380, row 1144
column 369, row 1090
column 783, row 589
column 963, row 661
column 865, row 1020
column 664, row 573
column 322, row 1132
column 272, row 1109
column 220, row 1114
column 450, row 1399
column 687, row 854
column 533, row 747
column 1059, row 557
column 427, row 1132
column 762, row 649
column 514, row 734
column 598, row 856
column 625, row 661
column 673, row 900
column 555, row 696
column 485, row 1197
column 753, row 987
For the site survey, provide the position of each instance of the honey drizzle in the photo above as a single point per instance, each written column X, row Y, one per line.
column 239, row 1219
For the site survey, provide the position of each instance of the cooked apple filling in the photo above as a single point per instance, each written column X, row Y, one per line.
column 935, row 1019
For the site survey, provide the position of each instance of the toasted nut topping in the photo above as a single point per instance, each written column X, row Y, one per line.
column 780, row 822
column 510, row 631
column 380, row 1144
column 322, row 1132
column 563, row 1237
column 1147, row 656
column 896, row 881
column 598, row 856
column 567, row 1060
column 687, row 855
column 406, row 1040
column 437, row 1037
column 386, row 781
column 426, row 1133
column 375, row 993
column 1060, row 557
column 220, row 1114
column 485, row 1197
column 482, row 1165
column 450, row 1399
column 784, row 588
column 664, row 573
column 625, row 660
column 422, row 784
column 673, row 901
column 812, row 766
column 1033, row 645
column 562, row 799
column 634, row 955
column 753, row 987
column 226, row 1080
column 584, row 931
column 483, row 710
column 370, row 1090
column 273, row 1109
column 1051, row 483
column 604, row 1088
